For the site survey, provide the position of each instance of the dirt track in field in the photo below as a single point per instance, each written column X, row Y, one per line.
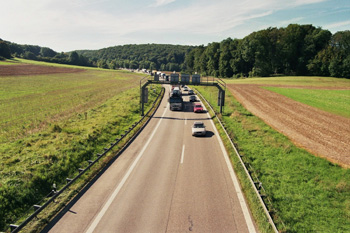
column 321, row 133
column 27, row 69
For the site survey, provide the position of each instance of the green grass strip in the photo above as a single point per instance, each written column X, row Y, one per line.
column 300, row 81
column 333, row 101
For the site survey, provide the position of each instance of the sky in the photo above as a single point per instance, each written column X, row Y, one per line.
column 67, row 25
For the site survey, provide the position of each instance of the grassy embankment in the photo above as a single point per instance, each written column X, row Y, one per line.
column 53, row 124
column 308, row 193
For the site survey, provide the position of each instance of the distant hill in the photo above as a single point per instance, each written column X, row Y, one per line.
column 143, row 56
column 294, row 50
column 34, row 52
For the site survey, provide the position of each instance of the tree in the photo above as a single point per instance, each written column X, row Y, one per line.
column 213, row 55
column 29, row 55
column 74, row 58
column 47, row 52
column 5, row 51
column 102, row 64
column 226, row 52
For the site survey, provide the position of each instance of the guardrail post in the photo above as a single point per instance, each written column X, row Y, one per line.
column 258, row 185
column 36, row 207
column 13, row 227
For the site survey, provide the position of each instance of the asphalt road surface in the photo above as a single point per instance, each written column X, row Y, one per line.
column 165, row 181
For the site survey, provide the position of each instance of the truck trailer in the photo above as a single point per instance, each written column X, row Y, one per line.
column 175, row 103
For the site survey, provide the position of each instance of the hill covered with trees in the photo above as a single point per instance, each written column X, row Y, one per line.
column 293, row 50
column 35, row 52
column 144, row 56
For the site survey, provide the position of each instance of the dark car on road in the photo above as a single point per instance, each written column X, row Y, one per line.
column 193, row 98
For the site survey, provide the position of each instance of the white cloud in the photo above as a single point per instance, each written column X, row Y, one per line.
column 158, row 3
column 335, row 26
column 306, row 2
column 99, row 23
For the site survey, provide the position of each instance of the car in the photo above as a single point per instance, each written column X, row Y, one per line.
column 190, row 92
column 185, row 88
column 198, row 108
column 193, row 98
column 198, row 129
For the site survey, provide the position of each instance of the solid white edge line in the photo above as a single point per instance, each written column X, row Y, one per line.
column 122, row 182
column 247, row 217
column 183, row 154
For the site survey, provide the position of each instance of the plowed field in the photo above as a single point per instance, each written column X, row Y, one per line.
column 322, row 133
column 28, row 69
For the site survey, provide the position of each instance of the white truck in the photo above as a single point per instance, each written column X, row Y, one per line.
column 175, row 99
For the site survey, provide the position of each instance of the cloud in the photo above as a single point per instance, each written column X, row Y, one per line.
column 158, row 3
column 306, row 2
column 337, row 25
column 104, row 23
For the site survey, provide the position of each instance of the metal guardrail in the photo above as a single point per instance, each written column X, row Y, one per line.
column 257, row 185
column 54, row 194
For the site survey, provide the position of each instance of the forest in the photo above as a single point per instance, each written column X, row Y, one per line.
column 144, row 56
column 292, row 50
column 9, row 50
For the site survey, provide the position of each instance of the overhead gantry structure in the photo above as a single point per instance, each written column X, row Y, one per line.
column 183, row 79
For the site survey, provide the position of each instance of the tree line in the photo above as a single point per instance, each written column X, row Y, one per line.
column 143, row 56
column 9, row 50
column 293, row 50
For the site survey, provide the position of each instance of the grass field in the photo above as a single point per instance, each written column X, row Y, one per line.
column 313, row 81
column 309, row 194
column 53, row 124
column 29, row 103
column 333, row 101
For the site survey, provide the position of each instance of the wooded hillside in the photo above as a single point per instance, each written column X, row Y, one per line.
column 293, row 50
column 144, row 56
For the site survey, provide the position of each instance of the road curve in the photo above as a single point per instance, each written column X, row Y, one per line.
column 165, row 181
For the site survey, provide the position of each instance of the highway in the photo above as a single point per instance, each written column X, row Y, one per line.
column 165, row 181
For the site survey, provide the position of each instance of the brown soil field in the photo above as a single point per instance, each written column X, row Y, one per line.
column 321, row 133
column 28, row 69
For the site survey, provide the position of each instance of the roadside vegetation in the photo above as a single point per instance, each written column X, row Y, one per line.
column 308, row 193
column 83, row 113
